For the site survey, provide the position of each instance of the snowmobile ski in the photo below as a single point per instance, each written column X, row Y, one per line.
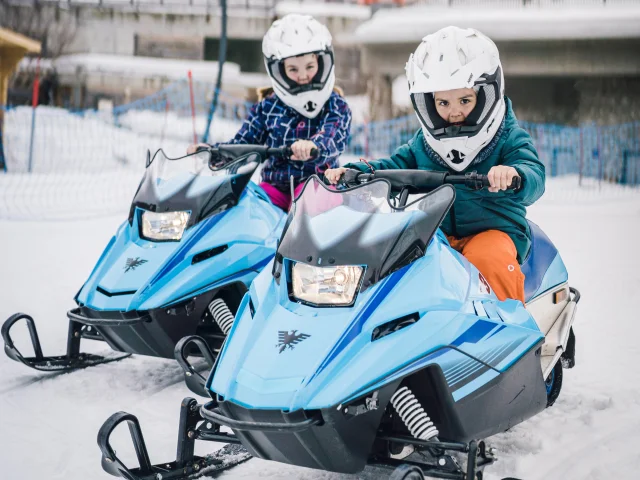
column 186, row 465
column 73, row 360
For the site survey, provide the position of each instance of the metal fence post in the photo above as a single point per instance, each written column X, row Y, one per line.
column 629, row 174
column 34, row 101
column 581, row 156
column 3, row 162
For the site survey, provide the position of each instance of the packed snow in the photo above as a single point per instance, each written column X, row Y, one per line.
column 49, row 423
column 132, row 67
column 411, row 24
column 323, row 9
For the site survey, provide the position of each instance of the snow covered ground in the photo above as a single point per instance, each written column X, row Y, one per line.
column 48, row 424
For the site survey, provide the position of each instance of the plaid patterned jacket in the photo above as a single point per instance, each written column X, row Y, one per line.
column 275, row 124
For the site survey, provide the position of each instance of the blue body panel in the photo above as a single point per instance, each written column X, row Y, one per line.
column 543, row 268
column 338, row 361
column 164, row 273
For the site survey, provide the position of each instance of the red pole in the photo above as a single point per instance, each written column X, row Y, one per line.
column 193, row 107
column 36, row 86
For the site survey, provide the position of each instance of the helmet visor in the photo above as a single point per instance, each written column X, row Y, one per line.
column 488, row 96
column 277, row 72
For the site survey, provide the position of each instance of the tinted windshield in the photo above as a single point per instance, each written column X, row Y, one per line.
column 359, row 227
column 188, row 184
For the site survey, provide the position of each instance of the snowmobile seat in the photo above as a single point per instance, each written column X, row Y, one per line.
column 543, row 268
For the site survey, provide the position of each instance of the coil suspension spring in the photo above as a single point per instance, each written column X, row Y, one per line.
column 222, row 315
column 413, row 415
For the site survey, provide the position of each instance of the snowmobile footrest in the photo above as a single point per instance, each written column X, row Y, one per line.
column 186, row 464
column 73, row 360
column 478, row 457
column 194, row 380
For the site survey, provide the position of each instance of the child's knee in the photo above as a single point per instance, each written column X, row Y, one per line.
column 493, row 245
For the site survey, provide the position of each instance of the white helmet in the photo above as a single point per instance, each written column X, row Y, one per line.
column 291, row 36
column 449, row 59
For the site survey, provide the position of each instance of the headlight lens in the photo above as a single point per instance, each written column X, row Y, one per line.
column 325, row 285
column 164, row 226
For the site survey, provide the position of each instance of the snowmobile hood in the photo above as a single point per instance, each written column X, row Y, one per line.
column 289, row 356
column 136, row 274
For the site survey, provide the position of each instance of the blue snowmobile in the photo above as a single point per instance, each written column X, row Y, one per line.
column 198, row 233
column 370, row 341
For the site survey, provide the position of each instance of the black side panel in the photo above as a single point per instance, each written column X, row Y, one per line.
column 341, row 444
column 156, row 336
column 158, row 331
column 507, row 400
column 511, row 398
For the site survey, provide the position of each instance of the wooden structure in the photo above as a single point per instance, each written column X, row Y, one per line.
column 13, row 47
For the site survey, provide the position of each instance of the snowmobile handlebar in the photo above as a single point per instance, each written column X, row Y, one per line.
column 224, row 154
column 421, row 181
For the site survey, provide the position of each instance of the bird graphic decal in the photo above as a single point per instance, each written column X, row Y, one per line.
column 132, row 263
column 289, row 339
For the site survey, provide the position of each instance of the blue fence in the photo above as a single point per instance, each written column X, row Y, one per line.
column 91, row 161
column 610, row 153
column 175, row 100
column 94, row 141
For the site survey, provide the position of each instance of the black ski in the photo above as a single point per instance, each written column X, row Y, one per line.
column 186, row 465
column 228, row 456
column 73, row 360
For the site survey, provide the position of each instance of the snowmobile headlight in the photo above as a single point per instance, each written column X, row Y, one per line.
column 164, row 226
column 335, row 286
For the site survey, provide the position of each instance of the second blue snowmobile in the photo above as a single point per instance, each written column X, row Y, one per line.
column 198, row 232
column 370, row 341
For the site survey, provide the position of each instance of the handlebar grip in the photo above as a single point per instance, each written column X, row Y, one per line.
column 288, row 152
column 476, row 181
column 350, row 178
column 516, row 183
column 278, row 152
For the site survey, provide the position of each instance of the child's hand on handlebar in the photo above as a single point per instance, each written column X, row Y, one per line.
column 333, row 174
column 500, row 177
column 192, row 148
column 302, row 150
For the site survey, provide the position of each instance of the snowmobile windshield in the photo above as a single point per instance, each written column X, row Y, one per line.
column 359, row 226
column 187, row 184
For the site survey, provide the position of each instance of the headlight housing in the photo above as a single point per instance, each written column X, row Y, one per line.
column 165, row 226
column 332, row 286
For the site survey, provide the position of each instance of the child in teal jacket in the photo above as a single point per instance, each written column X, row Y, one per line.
column 457, row 90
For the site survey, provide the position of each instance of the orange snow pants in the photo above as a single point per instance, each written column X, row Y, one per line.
column 494, row 255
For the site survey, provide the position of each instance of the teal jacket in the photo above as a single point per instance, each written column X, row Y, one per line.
column 477, row 211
